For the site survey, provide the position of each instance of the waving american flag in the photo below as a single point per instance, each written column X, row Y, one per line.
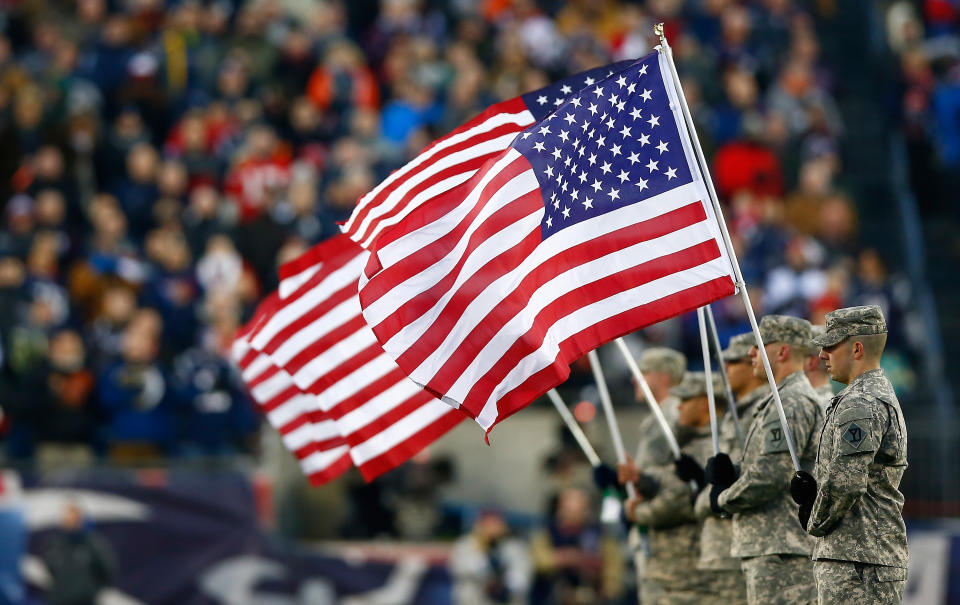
column 593, row 223
column 454, row 158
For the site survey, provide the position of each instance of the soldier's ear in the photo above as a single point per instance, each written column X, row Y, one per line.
column 858, row 350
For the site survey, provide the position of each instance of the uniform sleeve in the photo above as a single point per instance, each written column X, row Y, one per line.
column 701, row 509
column 768, row 475
column 855, row 435
column 670, row 506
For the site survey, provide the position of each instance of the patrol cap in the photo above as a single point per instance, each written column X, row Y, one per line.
column 662, row 359
column 786, row 329
column 816, row 331
column 694, row 384
column 851, row 321
column 739, row 346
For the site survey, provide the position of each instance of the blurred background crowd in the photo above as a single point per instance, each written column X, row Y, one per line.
column 159, row 159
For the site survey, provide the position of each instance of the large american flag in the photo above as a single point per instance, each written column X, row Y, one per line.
column 316, row 336
column 308, row 432
column 454, row 158
column 595, row 222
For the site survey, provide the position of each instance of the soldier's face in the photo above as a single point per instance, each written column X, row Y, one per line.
column 838, row 360
column 739, row 373
column 694, row 412
column 756, row 360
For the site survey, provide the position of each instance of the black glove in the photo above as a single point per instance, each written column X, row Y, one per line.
column 604, row 476
column 687, row 469
column 720, row 471
column 804, row 515
column 803, row 489
column 647, row 487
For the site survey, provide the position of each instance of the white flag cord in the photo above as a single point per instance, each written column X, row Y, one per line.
column 574, row 428
column 648, row 395
column 705, row 171
column 607, row 404
column 708, row 371
column 731, row 401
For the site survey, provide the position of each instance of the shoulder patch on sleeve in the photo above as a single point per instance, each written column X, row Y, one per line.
column 857, row 435
column 774, row 439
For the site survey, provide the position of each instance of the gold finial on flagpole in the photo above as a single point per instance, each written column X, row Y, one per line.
column 658, row 32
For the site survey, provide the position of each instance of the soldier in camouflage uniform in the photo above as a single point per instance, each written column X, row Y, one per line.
column 715, row 535
column 665, row 506
column 774, row 548
column 663, row 369
column 816, row 371
column 855, row 513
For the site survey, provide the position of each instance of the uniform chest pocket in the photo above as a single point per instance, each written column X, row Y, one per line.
column 857, row 430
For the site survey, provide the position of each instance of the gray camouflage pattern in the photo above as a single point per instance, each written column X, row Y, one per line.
column 670, row 576
column 694, row 384
column 739, row 346
column 780, row 580
column 851, row 321
column 862, row 457
column 846, row 582
column 717, row 533
column 662, row 359
column 786, row 329
column 816, row 331
column 825, row 393
column 653, row 450
column 764, row 515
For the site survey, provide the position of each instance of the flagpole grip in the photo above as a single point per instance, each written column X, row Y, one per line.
column 648, row 395
column 607, row 404
column 708, row 372
column 731, row 401
column 574, row 428
column 728, row 244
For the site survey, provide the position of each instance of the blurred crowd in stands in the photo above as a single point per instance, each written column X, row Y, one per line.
column 158, row 159
column 924, row 40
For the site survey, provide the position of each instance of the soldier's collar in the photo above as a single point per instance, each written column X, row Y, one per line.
column 794, row 376
column 753, row 396
column 859, row 380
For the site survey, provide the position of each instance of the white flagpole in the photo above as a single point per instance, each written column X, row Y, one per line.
column 726, row 379
column 607, row 404
column 648, row 395
column 574, row 428
column 708, row 371
column 668, row 53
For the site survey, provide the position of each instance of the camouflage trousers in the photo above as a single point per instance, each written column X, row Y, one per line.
column 849, row 582
column 692, row 587
column 729, row 586
column 780, row 580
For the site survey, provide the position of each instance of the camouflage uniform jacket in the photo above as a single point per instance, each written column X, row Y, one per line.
column 715, row 537
column 764, row 515
column 674, row 533
column 862, row 457
column 653, row 450
column 825, row 392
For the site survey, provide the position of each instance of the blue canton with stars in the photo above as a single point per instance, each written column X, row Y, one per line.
column 613, row 143
column 543, row 101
